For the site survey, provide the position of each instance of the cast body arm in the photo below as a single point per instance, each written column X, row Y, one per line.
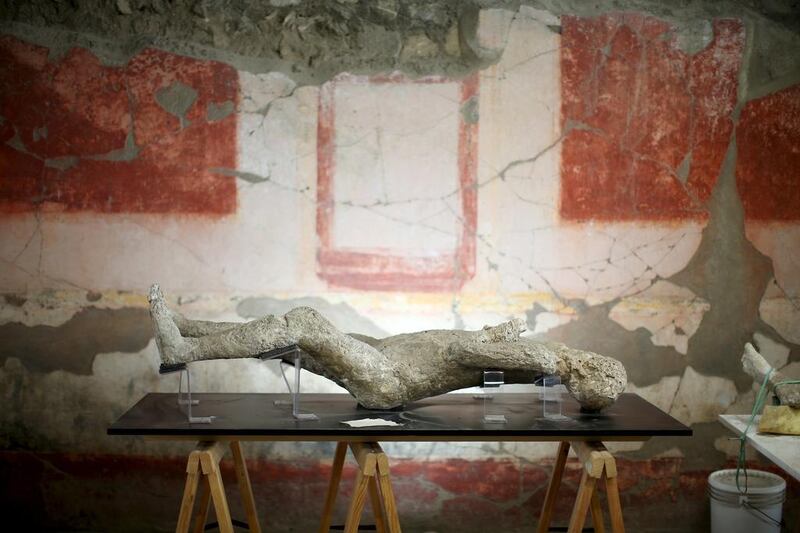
column 593, row 379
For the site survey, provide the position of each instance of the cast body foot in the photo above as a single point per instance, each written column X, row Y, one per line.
column 172, row 348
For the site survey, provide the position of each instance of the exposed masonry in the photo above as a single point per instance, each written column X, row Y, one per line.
column 315, row 39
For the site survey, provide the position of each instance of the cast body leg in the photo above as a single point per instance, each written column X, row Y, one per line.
column 366, row 372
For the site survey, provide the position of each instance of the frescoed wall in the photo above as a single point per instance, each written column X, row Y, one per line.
column 625, row 181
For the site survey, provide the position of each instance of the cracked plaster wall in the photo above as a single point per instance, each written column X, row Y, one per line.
column 623, row 176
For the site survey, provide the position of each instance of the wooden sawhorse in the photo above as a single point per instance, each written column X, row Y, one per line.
column 597, row 463
column 372, row 477
column 203, row 469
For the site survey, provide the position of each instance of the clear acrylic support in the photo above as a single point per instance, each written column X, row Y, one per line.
column 492, row 379
column 187, row 401
column 552, row 393
column 296, row 392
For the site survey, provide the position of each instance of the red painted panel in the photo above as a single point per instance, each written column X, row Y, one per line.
column 768, row 156
column 646, row 124
column 378, row 269
column 496, row 481
column 70, row 120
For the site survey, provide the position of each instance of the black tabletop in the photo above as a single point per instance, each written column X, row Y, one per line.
column 448, row 417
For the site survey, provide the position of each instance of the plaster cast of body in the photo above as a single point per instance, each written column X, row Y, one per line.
column 754, row 364
column 386, row 373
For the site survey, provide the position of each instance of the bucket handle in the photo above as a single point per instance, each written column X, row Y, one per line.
column 743, row 502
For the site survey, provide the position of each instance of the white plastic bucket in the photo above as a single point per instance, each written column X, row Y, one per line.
column 757, row 511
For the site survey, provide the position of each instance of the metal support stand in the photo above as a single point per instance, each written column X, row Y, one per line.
column 295, row 402
column 183, row 368
column 188, row 402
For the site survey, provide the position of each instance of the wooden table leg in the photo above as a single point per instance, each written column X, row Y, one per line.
column 596, row 462
column 203, row 469
column 193, row 475
column 582, row 501
column 367, row 459
column 210, row 455
column 597, row 513
column 552, row 489
column 204, row 501
column 612, row 493
column 373, row 479
column 614, row 506
column 333, row 487
column 377, row 505
column 357, row 503
column 387, row 493
column 245, row 488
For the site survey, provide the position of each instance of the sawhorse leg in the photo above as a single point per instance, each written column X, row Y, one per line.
column 598, row 463
column 552, row 488
column 201, row 514
column 372, row 480
column 245, row 488
column 193, row 475
column 333, row 486
column 202, row 470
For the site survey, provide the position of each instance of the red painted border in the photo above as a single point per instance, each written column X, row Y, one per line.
column 378, row 270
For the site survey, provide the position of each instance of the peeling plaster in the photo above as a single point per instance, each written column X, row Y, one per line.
column 781, row 312
column 695, row 36
column 55, row 307
column 541, row 321
column 219, row 111
column 774, row 352
column 113, row 383
column 176, row 99
column 671, row 313
column 492, row 32
column 698, row 451
column 661, row 394
column 701, row 398
column 341, row 315
column 731, row 274
column 594, row 330
column 792, row 370
column 72, row 346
